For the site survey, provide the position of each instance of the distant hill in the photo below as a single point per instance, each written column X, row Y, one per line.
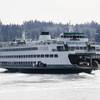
column 34, row 28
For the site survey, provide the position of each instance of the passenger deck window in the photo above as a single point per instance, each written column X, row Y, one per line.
column 56, row 55
column 51, row 55
column 34, row 56
column 42, row 56
column 47, row 55
column 38, row 56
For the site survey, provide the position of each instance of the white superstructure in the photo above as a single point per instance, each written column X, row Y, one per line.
column 75, row 41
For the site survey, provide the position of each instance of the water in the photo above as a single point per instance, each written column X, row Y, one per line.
column 19, row 86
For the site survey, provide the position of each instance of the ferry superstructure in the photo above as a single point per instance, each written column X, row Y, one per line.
column 47, row 55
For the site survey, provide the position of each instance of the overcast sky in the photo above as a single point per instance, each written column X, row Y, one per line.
column 76, row 11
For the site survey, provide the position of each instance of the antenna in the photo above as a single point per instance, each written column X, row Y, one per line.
column 23, row 35
column 70, row 27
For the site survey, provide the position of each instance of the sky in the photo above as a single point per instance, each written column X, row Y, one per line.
column 58, row 11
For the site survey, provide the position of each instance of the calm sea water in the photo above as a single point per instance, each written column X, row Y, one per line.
column 15, row 86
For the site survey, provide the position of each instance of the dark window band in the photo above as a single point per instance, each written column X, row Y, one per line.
column 32, row 56
column 19, row 49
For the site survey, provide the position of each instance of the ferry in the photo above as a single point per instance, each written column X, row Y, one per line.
column 69, row 53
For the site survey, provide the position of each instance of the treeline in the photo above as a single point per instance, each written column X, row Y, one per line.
column 34, row 28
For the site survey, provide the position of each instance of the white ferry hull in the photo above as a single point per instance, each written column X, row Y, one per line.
column 59, row 64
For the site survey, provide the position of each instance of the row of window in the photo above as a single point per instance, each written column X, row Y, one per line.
column 10, row 63
column 77, row 48
column 19, row 49
column 31, row 56
column 76, row 43
column 66, row 36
